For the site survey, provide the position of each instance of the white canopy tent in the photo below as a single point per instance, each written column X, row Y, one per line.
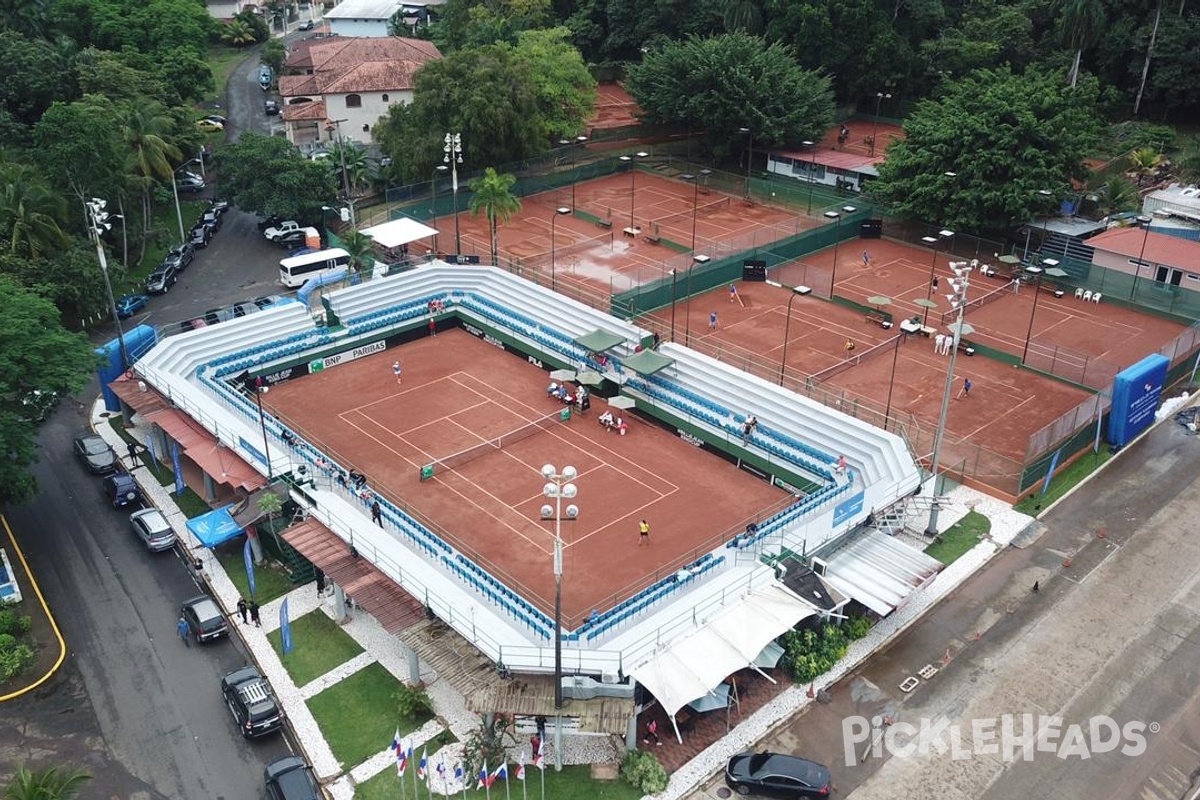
column 691, row 667
column 399, row 232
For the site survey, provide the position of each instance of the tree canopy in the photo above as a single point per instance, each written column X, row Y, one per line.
column 977, row 157
column 268, row 175
column 725, row 83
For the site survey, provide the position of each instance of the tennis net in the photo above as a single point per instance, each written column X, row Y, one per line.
column 456, row 460
column 981, row 301
column 683, row 219
column 817, row 378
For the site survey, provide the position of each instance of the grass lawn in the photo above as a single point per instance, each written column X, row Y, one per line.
column 573, row 783
column 270, row 580
column 223, row 60
column 320, row 645
column 359, row 715
column 960, row 537
column 1063, row 482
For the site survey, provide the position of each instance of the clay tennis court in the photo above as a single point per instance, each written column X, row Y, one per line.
column 589, row 258
column 458, row 391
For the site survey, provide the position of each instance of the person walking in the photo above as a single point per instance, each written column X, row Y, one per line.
column 652, row 733
column 643, row 533
column 320, row 575
column 254, row 614
column 866, row 257
column 377, row 513
column 732, row 293
column 396, row 370
column 185, row 632
column 966, row 388
column 935, row 283
column 243, row 610
column 712, row 321
column 540, row 721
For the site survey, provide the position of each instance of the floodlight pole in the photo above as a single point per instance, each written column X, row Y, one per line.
column 787, row 327
column 558, row 485
column 452, row 150
column 98, row 222
column 960, row 298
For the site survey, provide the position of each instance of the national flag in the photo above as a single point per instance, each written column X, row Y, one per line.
column 501, row 772
column 401, row 760
column 395, row 748
column 458, row 771
column 539, row 758
column 441, row 770
column 485, row 778
column 421, row 766
column 521, row 765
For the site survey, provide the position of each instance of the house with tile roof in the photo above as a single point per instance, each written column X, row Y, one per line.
column 1157, row 260
column 343, row 85
column 845, row 162
column 371, row 17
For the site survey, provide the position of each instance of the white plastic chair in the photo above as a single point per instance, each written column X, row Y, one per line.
column 1079, row 292
column 1096, row 297
column 1087, row 295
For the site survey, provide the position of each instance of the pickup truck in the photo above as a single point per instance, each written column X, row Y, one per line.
column 277, row 232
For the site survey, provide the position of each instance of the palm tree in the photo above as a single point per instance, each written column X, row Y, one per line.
column 238, row 33
column 1145, row 161
column 1081, row 23
column 361, row 249
column 26, row 17
column 29, row 212
column 354, row 156
column 744, row 15
column 1137, row 103
column 144, row 130
column 1116, row 196
column 492, row 194
column 52, row 783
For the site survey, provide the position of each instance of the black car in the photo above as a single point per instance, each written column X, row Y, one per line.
column 95, row 453
column 776, row 775
column 121, row 490
column 255, row 710
column 269, row 222
column 307, row 25
column 292, row 238
column 204, row 618
column 216, row 315
column 190, row 183
column 289, row 778
column 212, row 219
column 180, row 256
column 162, row 279
column 271, row 107
column 218, row 205
column 201, row 235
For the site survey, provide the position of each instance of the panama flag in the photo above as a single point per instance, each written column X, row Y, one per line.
column 441, row 770
column 539, row 758
column 458, row 772
column 424, row 762
column 501, row 772
column 395, row 748
column 401, row 760
column 521, row 766
column 485, row 778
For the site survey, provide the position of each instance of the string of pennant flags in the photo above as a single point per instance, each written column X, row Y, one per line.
column 441, row 773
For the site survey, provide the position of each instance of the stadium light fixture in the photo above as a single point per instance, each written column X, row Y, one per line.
column 557, row 487
column 558, row 212
column 961, row 283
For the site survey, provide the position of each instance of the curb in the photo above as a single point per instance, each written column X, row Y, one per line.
column 62, row 644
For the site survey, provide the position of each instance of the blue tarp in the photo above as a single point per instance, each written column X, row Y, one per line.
column 310, row 286
column 214, row 527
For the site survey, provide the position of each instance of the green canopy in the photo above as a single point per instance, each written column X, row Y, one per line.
column 647, row 362
column 598, row 341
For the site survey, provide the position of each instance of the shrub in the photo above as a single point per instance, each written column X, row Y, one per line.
column 809, row 653
column 641, row 770
column 857, row 627
column 15, row 659
column 413, row 701
column 8, row 621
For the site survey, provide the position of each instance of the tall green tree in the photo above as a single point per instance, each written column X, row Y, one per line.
column 30, row 212
column 36, row 353
column 361, row 249
column 1117, row 195
column 565, row 91
column 1081, row 23
column 977, row 157
column 237, row 32
column 267, row 175
column 491, row 193
column 79, row 149
column 30, row 18
column 725, row 83
column 145, row 130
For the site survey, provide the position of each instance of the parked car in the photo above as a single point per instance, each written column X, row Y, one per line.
column 276, row 231
column 267, row 301
column 95, row 453
column 180, row 256
column 307, row 25
column 121, row 490
column 215, row 118
column 212, row 219
column 218, row 205
column 269, row 222
column 292, row 238
column 216, row 315
column 776, row 775
column 201, row 235
column 244, row 309
column 162, row 279
column 189, row 183
column 204, row 618
column 210, row 125
column 264, row 77
column 271, row 107
column 289, row 778
column 152, row 528
column 255, row 710
column 38, row 405
column 130, row 304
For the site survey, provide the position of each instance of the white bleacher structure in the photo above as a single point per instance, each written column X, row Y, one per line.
column 799, row 442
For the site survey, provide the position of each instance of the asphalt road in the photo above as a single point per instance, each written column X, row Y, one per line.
column 132, row 706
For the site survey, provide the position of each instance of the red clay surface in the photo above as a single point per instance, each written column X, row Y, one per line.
column 614, row 108
column 458, row 391
column 599, row 261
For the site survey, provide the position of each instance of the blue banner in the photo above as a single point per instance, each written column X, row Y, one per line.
column 248, row 557
column 1050, row 472
column 175, row 465
column 845, row 510
column 1136, row 393
column 285, row 628
column 151, row 443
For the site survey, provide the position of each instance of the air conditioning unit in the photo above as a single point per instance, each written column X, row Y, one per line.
column 610, row 677
column 819, row 567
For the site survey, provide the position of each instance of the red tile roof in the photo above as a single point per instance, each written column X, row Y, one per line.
column 855, row 152
column 345, row 65
column 1159, row 248
column 305, row 111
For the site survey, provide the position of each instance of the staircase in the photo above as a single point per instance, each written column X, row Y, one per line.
column 908, row 515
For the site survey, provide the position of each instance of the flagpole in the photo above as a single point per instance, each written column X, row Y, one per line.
column 416, row 791
column 461, row 774
column 507, row 791
column 524, row 787
column 542, row 770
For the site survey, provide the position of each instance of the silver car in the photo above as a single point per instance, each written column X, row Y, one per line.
column 153, row 529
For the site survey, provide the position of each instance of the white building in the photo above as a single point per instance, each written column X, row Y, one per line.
column 343, row 85
column 370, row 17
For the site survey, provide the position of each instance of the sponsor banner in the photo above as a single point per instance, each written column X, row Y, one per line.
column 318, row 364
column 848, row 508
column 259, row 456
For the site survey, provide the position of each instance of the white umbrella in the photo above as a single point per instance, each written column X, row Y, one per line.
column 717, row 698
column 590, row 377
column 620, row 401
column 563, row 375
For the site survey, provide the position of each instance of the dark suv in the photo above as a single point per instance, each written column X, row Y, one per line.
column 255, row 710
column 162, row 279
column 204, row 618
column 289, row 778
column 121, row 490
